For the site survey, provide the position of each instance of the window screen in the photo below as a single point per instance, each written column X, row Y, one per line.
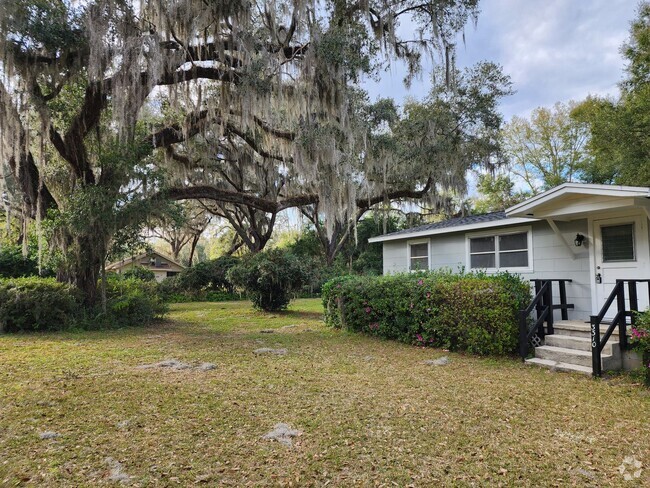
column 483, row 261
column 419, row 256
column 482, row 252
column 513, row 250
column 500, row 251
column 481, row 244
column 618, row 242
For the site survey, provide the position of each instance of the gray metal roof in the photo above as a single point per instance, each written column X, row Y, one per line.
column 455, row 222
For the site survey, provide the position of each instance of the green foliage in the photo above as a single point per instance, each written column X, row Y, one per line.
column 205, row 281
column 38, row 304
column 457, row 124
column 268, row 278
column 467, row 312
column 13, row 264
column 140, row 273
column 31, row 304
column 497, row 193
column 548, row 148
column 641, row 341
column 131, row 301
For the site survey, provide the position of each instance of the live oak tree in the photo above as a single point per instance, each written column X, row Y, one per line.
column 92, row 91
column 453, row 129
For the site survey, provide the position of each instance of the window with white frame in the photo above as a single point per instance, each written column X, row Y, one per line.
column 418, row 255
column 500, row 251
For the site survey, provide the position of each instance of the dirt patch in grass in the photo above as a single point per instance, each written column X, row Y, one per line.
column 371, row 412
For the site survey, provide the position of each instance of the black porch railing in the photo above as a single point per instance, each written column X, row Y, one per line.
column 543, row 305
column 619, row 320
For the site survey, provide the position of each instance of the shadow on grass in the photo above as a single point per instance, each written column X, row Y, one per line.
column 94, row 334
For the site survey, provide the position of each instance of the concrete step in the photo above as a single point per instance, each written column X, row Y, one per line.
column 577, row 342
column 554, row 365
column 574, row 356
column 579, row 328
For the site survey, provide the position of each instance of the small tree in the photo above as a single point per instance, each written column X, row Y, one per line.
column 269, row 278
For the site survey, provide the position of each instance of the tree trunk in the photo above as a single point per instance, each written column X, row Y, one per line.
column 195, row 241
column 84, row 269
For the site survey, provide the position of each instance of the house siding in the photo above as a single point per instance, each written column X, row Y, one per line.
column 395, row 257
column 551, row 259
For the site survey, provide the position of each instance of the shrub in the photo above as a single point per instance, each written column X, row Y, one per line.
column 14, row 265
column 29, row 304
column 131, row 301
column 641, row 342
column 140, row 273
column 206, row 281
column 471, row 312
column 268, row 278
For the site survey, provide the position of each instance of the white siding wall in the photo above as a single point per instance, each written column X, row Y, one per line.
column 551, row 260
column 395, row 257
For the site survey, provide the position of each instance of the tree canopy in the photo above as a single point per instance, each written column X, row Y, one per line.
column 109, row 109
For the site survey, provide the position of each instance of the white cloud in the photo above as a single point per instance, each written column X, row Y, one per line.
column 554, row 50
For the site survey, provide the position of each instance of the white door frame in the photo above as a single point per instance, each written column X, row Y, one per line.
column 641, row 237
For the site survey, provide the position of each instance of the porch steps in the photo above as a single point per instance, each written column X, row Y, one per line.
column 569, row 349
column 578, row 343
column 579, row 328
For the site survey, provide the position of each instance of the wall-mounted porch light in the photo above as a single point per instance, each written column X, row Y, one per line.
column 579, row 240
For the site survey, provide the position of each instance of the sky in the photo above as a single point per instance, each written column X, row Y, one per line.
column 553, row 50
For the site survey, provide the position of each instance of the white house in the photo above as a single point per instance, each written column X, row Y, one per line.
column 592, row 235
column 162, row 266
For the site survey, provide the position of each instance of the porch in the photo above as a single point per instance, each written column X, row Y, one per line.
column 589, row 347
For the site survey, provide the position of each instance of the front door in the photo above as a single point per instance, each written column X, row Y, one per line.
column 621, row 253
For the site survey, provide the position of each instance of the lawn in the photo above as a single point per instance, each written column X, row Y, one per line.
column 370, row 412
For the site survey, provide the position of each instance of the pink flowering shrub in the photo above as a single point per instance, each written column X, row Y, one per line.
column 468, row 312
column 640, row 340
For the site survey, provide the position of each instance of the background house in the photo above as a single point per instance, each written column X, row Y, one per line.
column 162, row 266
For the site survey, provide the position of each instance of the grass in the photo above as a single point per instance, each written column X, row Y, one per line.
column 371, row 413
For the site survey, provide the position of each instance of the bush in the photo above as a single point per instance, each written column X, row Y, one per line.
column 140, row 273
column 641, row 342
column 269, row 278
column 469, row 312
column 206, row 281
column 39, row 304
column 14, row 265
column 29, row 304
column 131, row 301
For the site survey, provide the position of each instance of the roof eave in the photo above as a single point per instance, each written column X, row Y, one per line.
column 525, row 208
column 450, row 230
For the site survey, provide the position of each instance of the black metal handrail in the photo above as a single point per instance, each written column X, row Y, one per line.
column 619, row 320
column 542, row 303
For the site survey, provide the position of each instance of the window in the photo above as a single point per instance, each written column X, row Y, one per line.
column 418, row 256
column 499, row 251
column 618, row 243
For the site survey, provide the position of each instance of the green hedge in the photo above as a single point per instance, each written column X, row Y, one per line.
column 40, row 304
column 466, row 312
column 37, row 304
